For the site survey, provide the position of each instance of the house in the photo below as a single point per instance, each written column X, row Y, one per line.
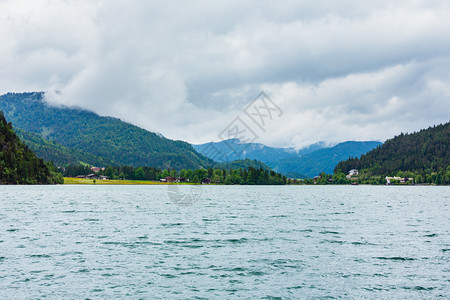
column 206, row 181
column 181, row 179
column 390, row 179
column 398, row 179
column 163, row 180
column 81, row 176
column 353, row 172
column 102, row 177
column 406, row 180
column 170, row 179
column 97, row 169
column 92, row 176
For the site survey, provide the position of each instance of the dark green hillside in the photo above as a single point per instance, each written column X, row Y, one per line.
column 424, row 151
column 58, row 154
column 18, row 164
column 103, row 138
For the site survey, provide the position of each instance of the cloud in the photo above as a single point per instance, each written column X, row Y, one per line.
column 365, row 106
column 340, row 71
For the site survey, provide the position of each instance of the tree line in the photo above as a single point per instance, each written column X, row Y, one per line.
column 439, row 178
column 243, row 176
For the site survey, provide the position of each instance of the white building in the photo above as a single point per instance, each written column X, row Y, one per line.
column 353, row 172
column 398, row 179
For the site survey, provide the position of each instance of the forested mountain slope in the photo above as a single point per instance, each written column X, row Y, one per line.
column 58, row 154
column 18, row 164
column 97, row 138
column 424, row 151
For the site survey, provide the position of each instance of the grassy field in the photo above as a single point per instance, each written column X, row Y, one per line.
column 70, row 180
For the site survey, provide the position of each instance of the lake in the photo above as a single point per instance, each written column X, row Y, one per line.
column 264, row 242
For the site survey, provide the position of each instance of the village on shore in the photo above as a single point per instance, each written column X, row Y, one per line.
column 352, row 178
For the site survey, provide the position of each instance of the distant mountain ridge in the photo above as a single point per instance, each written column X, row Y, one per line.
column 322, row 160
column 234, row 149
column 85, row 135
column 306, row 162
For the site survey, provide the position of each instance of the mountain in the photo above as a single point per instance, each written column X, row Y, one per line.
column 233, row 149
column 58, row 154
column 244, row 164
column 424, row 151
column 322, row 160
column 306, row 162
column 79, row 135
column 67, row 135
column 18, row 164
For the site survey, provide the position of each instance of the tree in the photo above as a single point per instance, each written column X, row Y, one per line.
column 196, row 179
column 139, row 173
column 109, row 172
column 250, row 178
column 189, row 174
column 165, row 173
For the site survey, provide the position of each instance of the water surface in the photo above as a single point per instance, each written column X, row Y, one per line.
column 282, row 242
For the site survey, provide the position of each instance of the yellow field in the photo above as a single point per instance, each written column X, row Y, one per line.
column 70, row 180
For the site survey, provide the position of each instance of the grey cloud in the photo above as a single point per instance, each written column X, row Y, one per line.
column 353, row 69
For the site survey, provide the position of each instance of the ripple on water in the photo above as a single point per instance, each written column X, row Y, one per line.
column 418, row 288
column 39, row 256
column 395, row 258
column 362, row 244
column 431, row 235
column 332, row 242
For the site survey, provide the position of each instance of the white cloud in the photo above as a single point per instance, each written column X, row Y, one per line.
column 339, row 70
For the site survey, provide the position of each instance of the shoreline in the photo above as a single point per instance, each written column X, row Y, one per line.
column 70, row 180
column 81, row 181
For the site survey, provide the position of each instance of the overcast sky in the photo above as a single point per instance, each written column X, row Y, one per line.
column 337, row 70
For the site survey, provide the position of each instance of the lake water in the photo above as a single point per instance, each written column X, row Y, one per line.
column 281, row 242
